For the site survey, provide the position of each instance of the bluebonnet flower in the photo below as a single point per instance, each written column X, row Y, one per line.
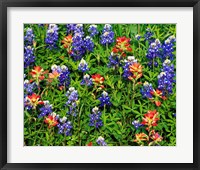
column 101, row 141
column 29, row 57
column 28, row 38
column 148, row 35
column 89, row 44
column 107, row 36
column 138, row 37
column 83, row 66
column 114, row 60
column 64, row 77
column 41, row 25
column 104, row 99
column 155, row 50
column 70, row 28
column 64, row 127
column 72, row 95
column 95, row 118
column 78, row 47
column 79, row 30
column 52, row 36
column 93, row 30
column 147, row 90
column 166, row 78
column 168, row 49
column 29, row 87
column 86, row 80
column 46, row 109
column 136, row 124
column 130, row 60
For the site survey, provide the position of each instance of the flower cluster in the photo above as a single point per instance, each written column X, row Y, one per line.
column 29, row 87
column 155, row 50
column 93, row 30
column 67, row 41
column 60, row 73
column 52, row 36
column 86, row 80
column 83, row 66
column 29, row 37
column 136, row 70
column 114, row 61
column 148, row 35
column 136, row 124
column 148, row 91
column 104, row 99
column 130, row 60
column 122, row 46
column 51, row 120
column 72, row 95
column 101, row 141
column 150, row 120
column 137, row 37
column 166, row 78
column 46, row 109
column 38, row 74
column 95, row 118
column 64, row 126
column 29, row 57
column 168, row 48
column 107, row 36
column 31, row 101
column 71, row 28
column 88, row 43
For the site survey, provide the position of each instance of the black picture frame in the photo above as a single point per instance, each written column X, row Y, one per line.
column 4, row 4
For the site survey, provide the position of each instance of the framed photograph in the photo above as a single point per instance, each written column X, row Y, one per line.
column 106, row 84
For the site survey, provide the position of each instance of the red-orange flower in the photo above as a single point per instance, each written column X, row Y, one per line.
column 141, row 137
column 97, row 78
column 136, row 70
column 67, row 41
column 158, row 94
column 155, row 136
column 51, row 120
column 150, row 119
column 122, row 46
column 33, row 100
column 89, row 144
column 38, row 74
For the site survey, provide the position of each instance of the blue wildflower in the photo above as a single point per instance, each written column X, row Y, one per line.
column 166, row 78
column 95, row 118
column 137, row 37
column 148, row 35
column 107, row 36
column 126, row 71
column 136, row 124
column 147, row 90
column 168, row 49
column 72, row 95
column 29, row 57
column 28, row 38
column 114, row 60
column 104, row 99
column 101, row 141
column 46, row 109
column 93, row 30
column 65, row 127
column 155, row 50
column 29, row 87
column 89, row 44
column 83, row 66
column 70, row 28
column 52, row 36
column 87, row 80
column 78, row 47
column 64, row 77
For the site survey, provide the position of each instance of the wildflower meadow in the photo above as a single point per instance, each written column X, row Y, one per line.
column 99, row 85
